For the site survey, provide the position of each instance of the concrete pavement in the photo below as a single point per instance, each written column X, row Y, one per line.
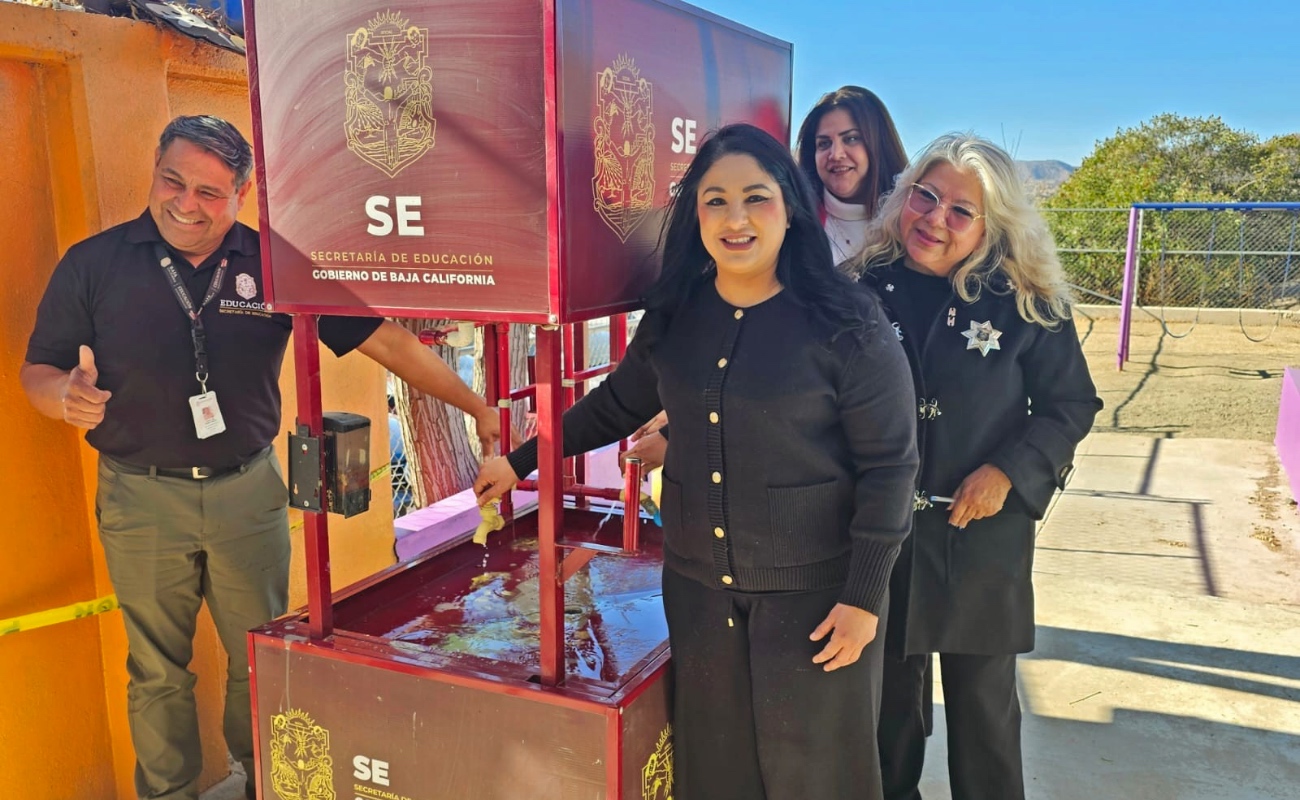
column 1168, row 657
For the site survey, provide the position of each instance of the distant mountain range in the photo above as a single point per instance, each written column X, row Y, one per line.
column 1044, row 177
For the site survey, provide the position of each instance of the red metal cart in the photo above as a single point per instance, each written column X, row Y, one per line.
column 495, row 161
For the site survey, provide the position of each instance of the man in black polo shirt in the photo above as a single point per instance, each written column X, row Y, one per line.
column 191, row 502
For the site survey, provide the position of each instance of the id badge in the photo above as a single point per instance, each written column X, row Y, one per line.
column 207, row 415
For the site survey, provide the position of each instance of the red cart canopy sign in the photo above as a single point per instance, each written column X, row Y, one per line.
column 487, row 159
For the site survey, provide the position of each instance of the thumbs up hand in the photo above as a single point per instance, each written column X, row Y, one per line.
column 83, row 403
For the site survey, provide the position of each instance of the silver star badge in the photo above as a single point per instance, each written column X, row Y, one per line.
column 889, row 287
column 983, row 337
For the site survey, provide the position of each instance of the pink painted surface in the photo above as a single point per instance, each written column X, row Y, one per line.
column 1288, row 429
column 454, row 516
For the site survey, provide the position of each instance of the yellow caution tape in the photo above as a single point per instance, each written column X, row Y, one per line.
column 90, row 608
column 56, row 615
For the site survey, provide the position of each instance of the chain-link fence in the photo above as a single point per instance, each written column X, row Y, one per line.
column 1226, row 256
column 403, row 492
column 1091, row 245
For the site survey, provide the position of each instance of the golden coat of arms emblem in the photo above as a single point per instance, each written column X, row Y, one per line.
column 301, row 765
column 657, row 774
column 389, row 93
column 624, row 132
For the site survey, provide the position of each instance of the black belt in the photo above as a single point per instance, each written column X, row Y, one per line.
column 193, row 473
column 188, row 473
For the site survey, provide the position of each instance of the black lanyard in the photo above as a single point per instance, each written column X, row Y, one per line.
column 197, row 334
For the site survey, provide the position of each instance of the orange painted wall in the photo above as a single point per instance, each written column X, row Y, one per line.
column 84, row 98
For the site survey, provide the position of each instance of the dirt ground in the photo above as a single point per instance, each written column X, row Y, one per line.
column 1212, row 383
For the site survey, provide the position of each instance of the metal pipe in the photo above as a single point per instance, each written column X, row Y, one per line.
column 1127, row 298
column 576, row 490
column 618, row 349
column 501, row 368
column 594, row 372
column 1217, row 206
column 550, row 504
column 632, row 507
column 306, row 354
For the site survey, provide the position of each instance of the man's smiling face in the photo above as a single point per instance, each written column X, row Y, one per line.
column 193, row 199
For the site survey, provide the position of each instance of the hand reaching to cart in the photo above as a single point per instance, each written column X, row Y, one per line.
column 650, row 448
column 851, row 629
column 650, row 445
column 495, row 478
column 487, row 423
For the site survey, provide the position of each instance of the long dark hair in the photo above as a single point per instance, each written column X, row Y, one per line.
column 804, row 266
column 885, row 154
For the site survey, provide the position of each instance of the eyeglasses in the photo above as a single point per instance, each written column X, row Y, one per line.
column 923, row 200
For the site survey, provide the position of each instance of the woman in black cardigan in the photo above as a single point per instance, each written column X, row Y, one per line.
column 969, row 276
column 787, row 486
column 850, row 152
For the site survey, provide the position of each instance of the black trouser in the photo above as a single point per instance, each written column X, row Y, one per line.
column 982, row 712
column 754, row 718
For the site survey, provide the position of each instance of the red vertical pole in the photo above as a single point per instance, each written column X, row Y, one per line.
column 617, row 337
column 306, row 359
column 550, row 501
column 499, row 365
column 578, row 339
column 618, row 348
column 567, row 394
column 491, row 390
column 632, row 506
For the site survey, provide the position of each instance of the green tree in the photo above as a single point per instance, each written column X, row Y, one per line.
column 1277, row 171
column 1169, row 158
column 1176, row 159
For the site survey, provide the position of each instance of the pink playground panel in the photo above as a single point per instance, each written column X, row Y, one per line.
column 1288, row 429
column 429, row 527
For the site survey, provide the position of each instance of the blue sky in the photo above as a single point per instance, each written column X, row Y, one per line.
column 1045, row 79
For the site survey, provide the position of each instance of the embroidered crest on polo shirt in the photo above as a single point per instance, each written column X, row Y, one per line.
column 245, row 286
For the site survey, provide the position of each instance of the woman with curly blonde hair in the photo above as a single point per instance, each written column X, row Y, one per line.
column 969, row 277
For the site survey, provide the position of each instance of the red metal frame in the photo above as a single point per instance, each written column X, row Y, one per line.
column 306, row 354
column 365, row 648
column 578, row 491
column 554, row 390
column 264, row 239
column 550, row 452
column 618, row 347
column 554, row 162
column 481, row 318
column 557, row 376
column 259, row 164
column 355, row 649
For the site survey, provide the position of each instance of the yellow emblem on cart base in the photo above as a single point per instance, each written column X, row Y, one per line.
column 657, row 775
column 301, row 765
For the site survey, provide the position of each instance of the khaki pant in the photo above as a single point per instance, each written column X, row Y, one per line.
column 170, row 544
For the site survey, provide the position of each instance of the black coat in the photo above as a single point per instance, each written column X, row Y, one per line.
column 1023, row 406
column 792, row 454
